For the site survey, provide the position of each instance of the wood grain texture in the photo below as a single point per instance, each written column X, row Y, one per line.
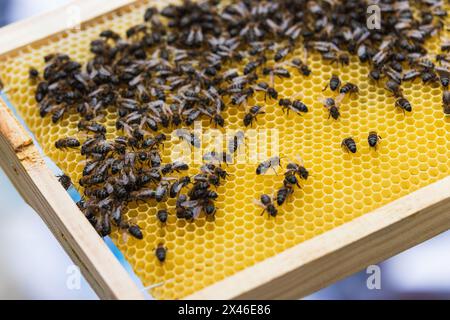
column 342, row 251
column 41, row 190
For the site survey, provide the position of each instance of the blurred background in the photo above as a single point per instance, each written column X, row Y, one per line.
column 34, row 266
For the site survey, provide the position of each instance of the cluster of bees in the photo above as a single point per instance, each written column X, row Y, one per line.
column 177, row 67
column 294, row 173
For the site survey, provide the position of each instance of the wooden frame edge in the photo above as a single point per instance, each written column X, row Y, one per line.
column 26, row 169
column 23, row 33
column 342, row 251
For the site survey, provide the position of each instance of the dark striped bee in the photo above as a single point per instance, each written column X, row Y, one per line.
column 298, row 169
column 394, row 87
column 236, row 141
column 349, row 88
column 92, row 126
column 155, row 142
column 266, row 165
column 252, row 114
column 251, row 66
column 349, row 144
column 65, row 181
column 446, row 102
column 276, row 72
column 161, row 253
column 332, row 107
column 283, row 193
column 189, row 137
column 290, row 179
column 92, row 180
column 375, row 74
column 33, row 74
column 300, row 66
column 334, row 83
column 268, row 90
column 403, row 104
column 296, row 106
column 217, row 157
column 161, row 190
column 373, row 139
column 266, row 202
column 444, row 76
column 176, row 187
column 162, row 216
column 281, row 53
column 67, row 143
column 143, row 195
column 135, row 231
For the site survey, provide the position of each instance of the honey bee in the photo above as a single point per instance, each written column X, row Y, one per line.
column 373, row 139
column 161, row 253
column 252, row 114
column 236, row 141
column 91, row 126
column 332, row 107
column 349, row 144
column 283, row 193
column 92, row 180
column 298, row 169
column 143, row 195
column 296, row 106
column 266, row 202
column 446, row 103
column 290, row 179
column 268, row 90
column 444, row 76
column 189, row 137
column 135, row 231
column 300, row 66
column 67, row 143
column 394, row 87
column 281, row 53
column 266, row 165
column 65, row 181
column 349, row 88
column 162, row 216
column 403, row 104
column 176, row 187
column 33, row 74
column 334, row 83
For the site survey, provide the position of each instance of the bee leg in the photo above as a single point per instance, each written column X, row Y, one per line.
column 325, row 87
column 264, row 210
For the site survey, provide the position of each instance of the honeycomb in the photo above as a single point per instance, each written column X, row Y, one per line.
column 414, row 152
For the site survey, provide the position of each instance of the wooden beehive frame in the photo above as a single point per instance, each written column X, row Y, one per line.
column 293, row 273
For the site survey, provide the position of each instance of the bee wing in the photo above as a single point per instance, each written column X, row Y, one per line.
column 339, row 99
column 196, row 212
column 192, row 203
column 443, row 70
column 299, row 158
column 258, row 203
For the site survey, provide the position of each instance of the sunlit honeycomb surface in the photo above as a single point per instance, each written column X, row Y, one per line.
column 414, row 152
